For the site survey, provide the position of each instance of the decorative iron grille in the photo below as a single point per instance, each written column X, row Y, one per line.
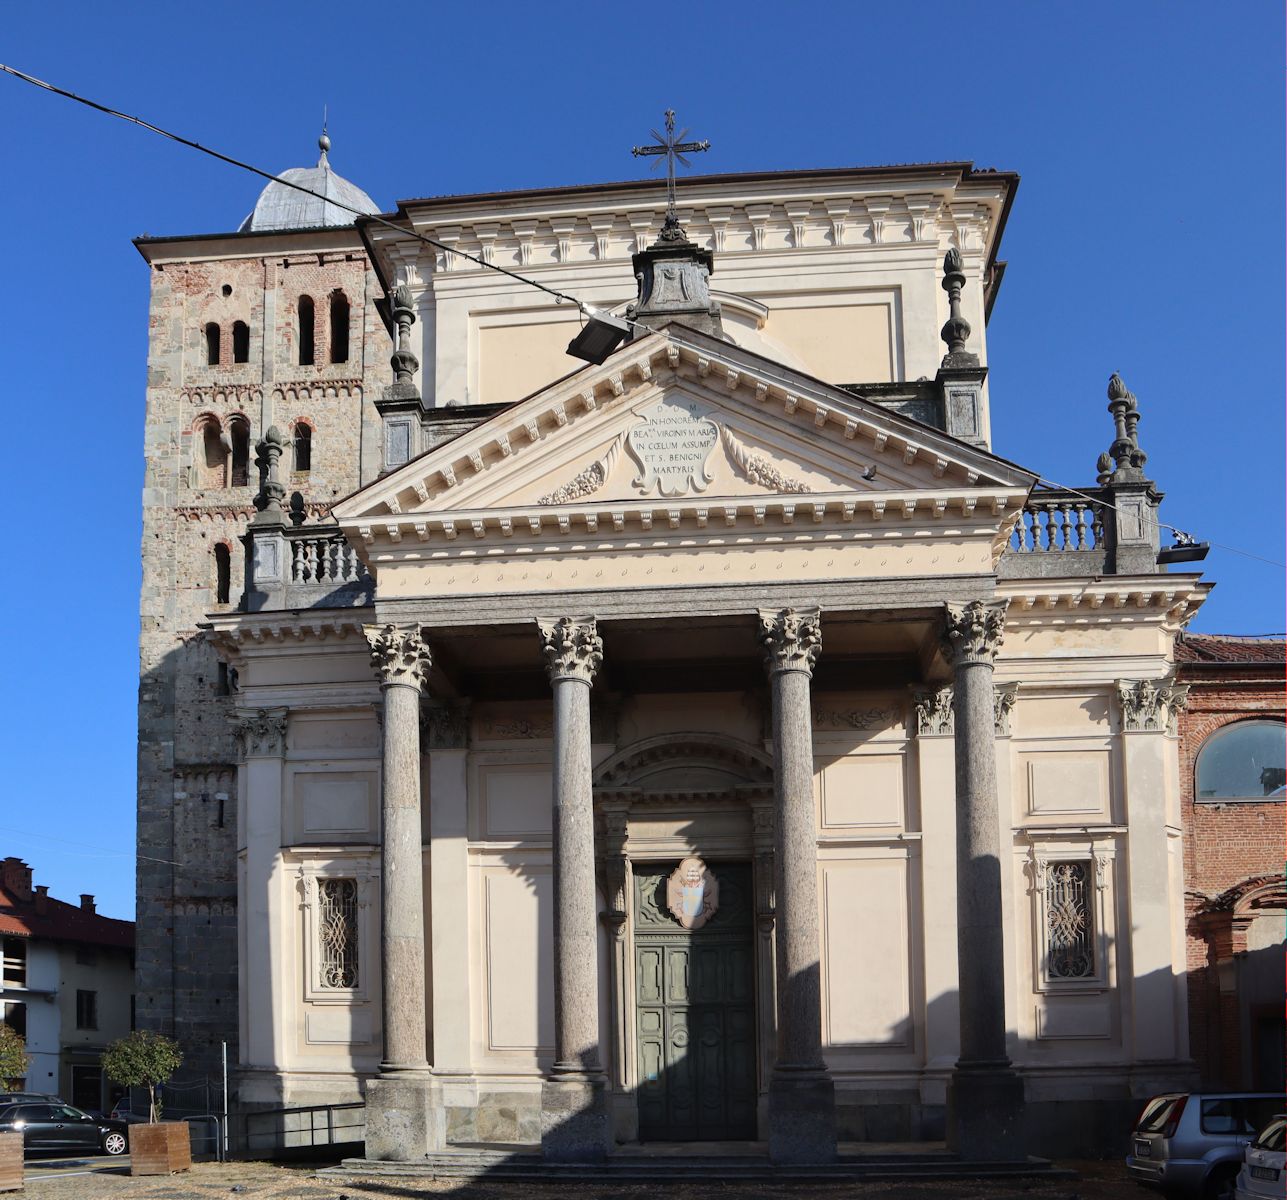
column 337, row 933
column 1070, row 935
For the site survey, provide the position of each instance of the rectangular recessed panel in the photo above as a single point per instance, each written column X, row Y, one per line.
column 337, row 1026
column 330, row 804
column 1061, row 782
column 845, row 343
column 520, row 979
column 1066, row 1017
column 517, row 802
column 866, row 953
column 516, row 359
column 863, row 790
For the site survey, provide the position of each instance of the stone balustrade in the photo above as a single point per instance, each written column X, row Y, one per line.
column 1059, row 533
column 309, row 566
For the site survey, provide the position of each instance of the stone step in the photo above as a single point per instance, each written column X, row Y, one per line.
column 641, row 1168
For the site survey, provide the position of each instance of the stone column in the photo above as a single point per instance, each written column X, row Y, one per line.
column 802, row 1106
column 985, row 1096
column 398, row 1123
column 574, row 1110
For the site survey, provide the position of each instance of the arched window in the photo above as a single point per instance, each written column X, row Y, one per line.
column 303, row 449
column 306, row 325
column 1243, row 761
column 240, row 342
column 212, row 344
column 223, row 573
column 339, row 328
column 210, row 455
column 239, row 435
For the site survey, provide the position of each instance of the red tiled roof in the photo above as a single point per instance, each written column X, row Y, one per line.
column 61, row 922
column 1228, row 648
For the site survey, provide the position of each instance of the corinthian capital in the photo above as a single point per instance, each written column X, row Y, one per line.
column 263, row 734
column 974, row 634
column 398, row 654
column 572, row 647
column 1149, row 706
column 792, row 639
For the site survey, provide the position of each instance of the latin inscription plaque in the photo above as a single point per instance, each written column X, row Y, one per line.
column 672, row 444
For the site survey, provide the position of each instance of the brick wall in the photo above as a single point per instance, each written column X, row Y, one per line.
column 1233, row 852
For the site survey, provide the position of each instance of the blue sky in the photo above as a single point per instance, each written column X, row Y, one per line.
column 1146, row 238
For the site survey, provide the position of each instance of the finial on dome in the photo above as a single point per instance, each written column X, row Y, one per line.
column 323, row 142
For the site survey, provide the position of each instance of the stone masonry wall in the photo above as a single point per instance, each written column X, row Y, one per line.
column 187, row 872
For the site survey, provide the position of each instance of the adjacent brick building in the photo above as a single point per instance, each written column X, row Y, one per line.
column 1232, row 790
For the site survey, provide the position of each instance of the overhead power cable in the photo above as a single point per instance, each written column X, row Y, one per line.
column 404, row 231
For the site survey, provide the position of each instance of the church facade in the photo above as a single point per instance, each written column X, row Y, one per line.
column 715, row 742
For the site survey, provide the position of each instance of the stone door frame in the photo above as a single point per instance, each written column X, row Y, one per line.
column 643, row 782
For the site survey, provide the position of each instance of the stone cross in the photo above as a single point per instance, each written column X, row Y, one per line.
column 673, row 146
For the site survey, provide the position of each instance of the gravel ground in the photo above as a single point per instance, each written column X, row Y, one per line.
column 264, row 1181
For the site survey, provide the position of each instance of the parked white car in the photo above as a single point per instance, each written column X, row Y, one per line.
column 1261, row 1177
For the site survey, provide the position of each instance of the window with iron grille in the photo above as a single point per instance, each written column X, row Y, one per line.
column 1070, row 931
column 337, row 933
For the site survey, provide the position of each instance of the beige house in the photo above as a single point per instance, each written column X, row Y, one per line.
column 718, row 742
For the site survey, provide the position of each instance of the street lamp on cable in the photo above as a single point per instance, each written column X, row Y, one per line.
column 601, row 334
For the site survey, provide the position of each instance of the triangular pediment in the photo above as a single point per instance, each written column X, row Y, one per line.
column 680, row 418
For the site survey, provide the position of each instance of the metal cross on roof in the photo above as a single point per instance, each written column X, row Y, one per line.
column 673, row 146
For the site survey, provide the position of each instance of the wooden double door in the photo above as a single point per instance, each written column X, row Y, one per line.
column 695, row 1011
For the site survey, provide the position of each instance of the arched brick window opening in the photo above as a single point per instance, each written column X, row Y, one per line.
column 210, row 458
column 223, row 572
column 339, row 327
column 307, row 318
column 303, row 448
column 212, row 344
column 239, row 436
column 240, row 342
column 1246, row 761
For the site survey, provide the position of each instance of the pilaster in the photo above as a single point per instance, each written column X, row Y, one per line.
column 261, row 738
column 936, row 767
column 1148, row 711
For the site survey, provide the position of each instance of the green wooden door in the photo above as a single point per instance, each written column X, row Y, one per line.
column 695, row 1004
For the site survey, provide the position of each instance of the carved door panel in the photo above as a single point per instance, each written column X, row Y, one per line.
column 695, row 1006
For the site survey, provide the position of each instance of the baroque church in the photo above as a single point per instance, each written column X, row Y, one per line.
column 707, row 737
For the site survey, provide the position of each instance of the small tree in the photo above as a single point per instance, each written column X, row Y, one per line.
column 142, row 1059
column 13, row 1056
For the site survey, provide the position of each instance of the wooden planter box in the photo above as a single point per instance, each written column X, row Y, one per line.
column 160, row 1149
column 10, row 1162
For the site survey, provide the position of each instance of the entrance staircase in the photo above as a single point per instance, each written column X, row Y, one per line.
column 865, row 1161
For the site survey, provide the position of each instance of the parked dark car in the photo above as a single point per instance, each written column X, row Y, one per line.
column 1191, row 1144
column 59, row 1128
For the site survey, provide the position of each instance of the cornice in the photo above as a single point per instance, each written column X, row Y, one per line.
column 733, row 215
column 633, row 373
column 902, row 515
column 238, row 633
column 1168, row 601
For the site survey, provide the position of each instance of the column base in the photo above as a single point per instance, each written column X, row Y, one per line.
column 802, row 1119
column 575, row 1125
column 404, row 1118
column 985, row 1115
